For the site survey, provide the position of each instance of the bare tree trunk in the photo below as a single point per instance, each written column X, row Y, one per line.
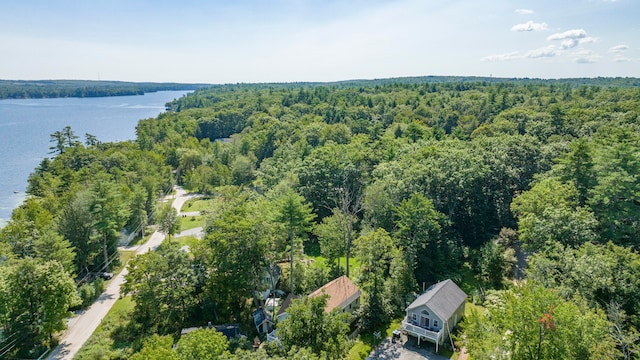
column 291, row 263
column 106, row 254
column 350, row 204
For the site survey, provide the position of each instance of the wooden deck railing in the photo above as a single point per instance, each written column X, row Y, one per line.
column 417, row 330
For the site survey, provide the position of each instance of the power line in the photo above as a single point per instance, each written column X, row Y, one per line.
column 12, row 345
column 6, row 338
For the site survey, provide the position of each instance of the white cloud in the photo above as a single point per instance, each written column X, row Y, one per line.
column 502, row 57
column 543, row 52
column 584, row 60
column 568, row 44
column 571, row 43
column 587, row 40
column 585, row 57
column 618, row 48
column 622, row 59
column 524, row 11
column 530, row 26
column 569, row 34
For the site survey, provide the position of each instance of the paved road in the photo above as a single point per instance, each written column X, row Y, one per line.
column 197, row 232
column 81, row 327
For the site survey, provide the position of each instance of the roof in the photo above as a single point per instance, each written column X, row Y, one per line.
column 442, row 298
column 286, row 303
column 260, row 316
column 341, row 292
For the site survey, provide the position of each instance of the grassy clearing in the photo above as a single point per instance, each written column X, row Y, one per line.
column 187, row 241
column 312, row 251
column 469, row 306
column 364, row 344
column 125, row 256
column 101, row 344
column 190, row 222
column 198, row 204
column 359, row 351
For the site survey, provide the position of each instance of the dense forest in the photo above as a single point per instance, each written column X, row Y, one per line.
column 526, row 193
column 37, row 89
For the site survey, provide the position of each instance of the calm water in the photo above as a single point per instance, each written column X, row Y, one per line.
column 25, row 126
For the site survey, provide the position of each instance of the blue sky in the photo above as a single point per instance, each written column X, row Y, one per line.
column 314, row 40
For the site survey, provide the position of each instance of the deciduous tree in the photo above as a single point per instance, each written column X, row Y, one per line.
column 204, row 344
column 537, row 323
column 163, row 284
column 157, row 347
column 310, row 326
column 168, row 222
column 35, row 297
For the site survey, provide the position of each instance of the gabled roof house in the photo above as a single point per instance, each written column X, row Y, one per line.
column 433, row 315
column 282, row 312
column 343, row 294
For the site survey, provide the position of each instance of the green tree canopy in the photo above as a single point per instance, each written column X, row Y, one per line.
column 35, row 297
column 204, row 344
column 537, row 323
column 310, row 326
column 157, row 347
column 167, row 219
column 294, row 214
column 163, row 285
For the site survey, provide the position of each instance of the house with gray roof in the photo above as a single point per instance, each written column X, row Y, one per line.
column 434, row 314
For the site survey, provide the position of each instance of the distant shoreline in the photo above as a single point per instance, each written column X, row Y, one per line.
column 51, row 89
column 46, row 89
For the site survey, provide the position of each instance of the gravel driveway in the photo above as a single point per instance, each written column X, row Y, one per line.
column 406, row 349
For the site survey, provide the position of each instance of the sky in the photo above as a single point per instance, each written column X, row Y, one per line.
column 316, row 40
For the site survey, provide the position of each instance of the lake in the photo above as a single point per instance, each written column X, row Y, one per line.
column 26, row 126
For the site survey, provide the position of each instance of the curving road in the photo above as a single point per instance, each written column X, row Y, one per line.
column 80, row 328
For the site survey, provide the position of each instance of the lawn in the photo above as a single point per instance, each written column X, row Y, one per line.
column 312, row 251
column 191, row 222
column 101, row 344
column 125, row 256
column 198, row 204
column 469, row 306
column 187, row 241
column 365, row 342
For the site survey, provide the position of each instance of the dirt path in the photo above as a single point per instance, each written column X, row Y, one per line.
column 81, row 327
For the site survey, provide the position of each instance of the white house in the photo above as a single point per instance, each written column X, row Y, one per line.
column 434, row 314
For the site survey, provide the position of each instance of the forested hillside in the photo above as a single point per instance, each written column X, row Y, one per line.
column 37, row 89
column 398, row 184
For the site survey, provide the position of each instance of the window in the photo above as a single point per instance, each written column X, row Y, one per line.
column 425, row 312
column 414, row 317
column 435, row 323
column 424, row 322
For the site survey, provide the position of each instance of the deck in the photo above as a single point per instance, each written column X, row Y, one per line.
column 422, row 333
